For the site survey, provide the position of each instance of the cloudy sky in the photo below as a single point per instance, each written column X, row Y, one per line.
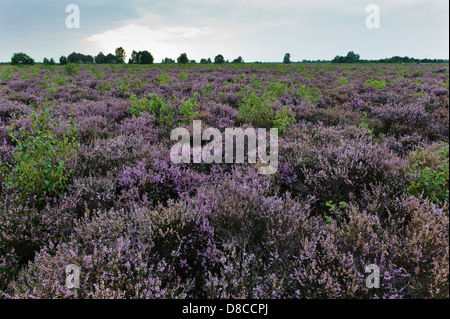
column 257, row 30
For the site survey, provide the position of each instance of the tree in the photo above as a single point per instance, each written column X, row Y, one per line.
column 120, row 55
column 168, row 61
column 183, row 59
column 63, row 60
column 100, row 58
column 238, row 60
column 219, row 59
column 110, row 59
column 86, row 59
column 21, row 59
column 80, row 58
column 73, row 58
column 287, row 58
column 141, row 57
column 352, row 57
column 145, row 57
column 209, row 60
column 49, row 62
column 203, row 61
column 134, row 58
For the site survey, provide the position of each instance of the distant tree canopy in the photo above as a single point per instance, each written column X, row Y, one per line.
column 120, row 55
column 21, row 59
column 351, row 57
column 63, row 60
column 145, row 57
column 168, row 61
column 183, row 59
column 141, row 57
column 219, row 59
column 106, row 59
column 238, row 60
column 80, row 58
column 110, row 59
column 49, row 62
column 100, row 58
column 205, row 61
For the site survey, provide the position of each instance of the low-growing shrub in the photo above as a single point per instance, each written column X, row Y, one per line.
column 428, row 173
column 376, row 84
column 284, row 119
column 44, row 155
column 189, row 108
column 162, row 110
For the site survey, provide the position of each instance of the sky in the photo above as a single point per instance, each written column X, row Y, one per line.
column 257, row 30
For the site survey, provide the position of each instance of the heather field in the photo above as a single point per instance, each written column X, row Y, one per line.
column 87, row 179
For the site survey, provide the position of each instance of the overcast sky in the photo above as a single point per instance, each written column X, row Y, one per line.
column 257, row 30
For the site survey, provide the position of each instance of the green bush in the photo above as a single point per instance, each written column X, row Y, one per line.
column 184, row 75
column 342, row 80
column 164, row 78
column 376, row 84
column 311, row 94
column 160, row 108
column 21, row 59
column 256, row 110
column 138, row 106
column 43, row 159
column 71, row 69
column 428, row 173
column 189, row 108
column 284, row 119
column 278, row 88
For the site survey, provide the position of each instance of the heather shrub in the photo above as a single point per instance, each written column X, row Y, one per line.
column 257, row 233
column 336, row 165
column 109, row 155
column 8, row 109
column 237, row 209
column 403, row 145
column 362, row 179
column 26, row 229
column 144, row 125
column 114, row 250
column 418, row 230
column 92, row 127
column 171, row 180
column 401, row 120
column 186, row 240
column 132, row 253
column 93, row 193
column 221, row 116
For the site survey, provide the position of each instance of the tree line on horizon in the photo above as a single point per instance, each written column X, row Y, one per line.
column 145, row 57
